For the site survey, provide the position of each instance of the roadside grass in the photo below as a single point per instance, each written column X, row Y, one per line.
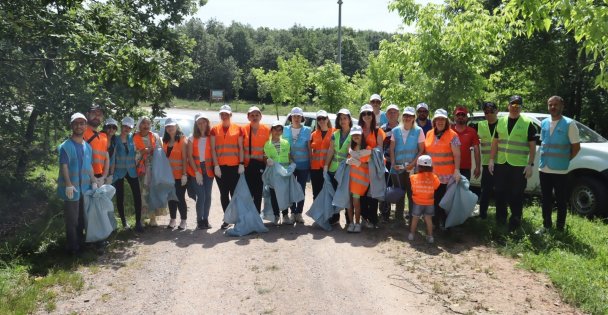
column 239, row 106
column 575, row 260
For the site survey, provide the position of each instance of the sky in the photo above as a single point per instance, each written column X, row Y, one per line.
column 283, row 14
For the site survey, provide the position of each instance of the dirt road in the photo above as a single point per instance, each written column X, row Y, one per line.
column 304, row 270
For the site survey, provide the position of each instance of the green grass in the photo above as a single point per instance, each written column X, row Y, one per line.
column 575, row 260
column 239, row 106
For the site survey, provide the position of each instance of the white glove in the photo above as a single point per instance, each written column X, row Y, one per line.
column 241, row 169
column 218, row 171
column 365, row 152
column 353, row 161
column 94, row 186
column 199, row 178
column 528, row 171
column 269, row 162
column 184, row 180
column 398, row 167
column 69, row 192
column 491, row 167
column 354, row 154
column 457, row 175
column 325, row 169
column 109, row 180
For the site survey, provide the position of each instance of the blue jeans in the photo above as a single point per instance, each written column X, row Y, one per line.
column 203, row 194
column 302, row 178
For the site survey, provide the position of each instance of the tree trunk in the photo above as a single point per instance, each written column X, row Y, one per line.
column 28, row 139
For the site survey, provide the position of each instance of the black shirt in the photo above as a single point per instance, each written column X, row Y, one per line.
column 511, row 123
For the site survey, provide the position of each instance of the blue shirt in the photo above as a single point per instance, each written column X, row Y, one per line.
column 63, row 158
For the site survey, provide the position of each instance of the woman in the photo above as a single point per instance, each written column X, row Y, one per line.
column 277, row 150
column 298, row 136
column 145, row 142
column 359, row 176
column 407, row 144
column 175, row 147
column 123, row 166
column 200, row 170
column 227, row 152
column 319, row 147
column 338, row 152
column 443, row 145
column 109, row 129
column 373, row 137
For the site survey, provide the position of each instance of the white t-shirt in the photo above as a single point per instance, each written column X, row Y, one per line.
column 295, row 133
column 202, row 146
column 573, row 136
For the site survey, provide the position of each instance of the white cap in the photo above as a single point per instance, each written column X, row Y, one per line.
column 253, row 109
column 322, row 113
column 111, row 121
column 276, row 123
column 141, row 119
column 77, row 116
column 366, row 108
column 128, row 121
column 375, row 97
column 422, row 105
column 409, row 111
column 296, row 111
column 170, row 122
column 356, row 130
column 392, row 106
column 344, row 111
column 440, row 113
column 198, row 116
column 226, row 109
column 425, row 160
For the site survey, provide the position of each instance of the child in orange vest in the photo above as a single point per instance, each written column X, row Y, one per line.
column 424, row 184
column 359, row 176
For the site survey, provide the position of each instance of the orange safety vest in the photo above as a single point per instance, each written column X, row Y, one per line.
column 257, row 143
column 197, row 160
column 371, row 139
column 138, row 141
column 320, row 147
column 175, row 158
column 99, row 144
column 359, row 176
column 441, row 151
column 227, row 144
column 423, row 188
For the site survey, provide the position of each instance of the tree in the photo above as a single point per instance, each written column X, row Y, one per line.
column 289, row 84
column 333, row 89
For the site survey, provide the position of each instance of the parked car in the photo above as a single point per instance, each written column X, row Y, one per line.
column 588, row 171
column 310, row 120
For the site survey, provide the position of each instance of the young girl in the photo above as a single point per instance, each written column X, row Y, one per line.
column 277, row 150
column 424, row 184
column 359, row 176
column 175, row 146
column 200, row 169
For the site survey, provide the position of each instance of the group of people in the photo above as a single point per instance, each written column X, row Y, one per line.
column 418, row 154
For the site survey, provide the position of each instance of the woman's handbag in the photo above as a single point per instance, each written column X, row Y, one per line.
column 393, row 193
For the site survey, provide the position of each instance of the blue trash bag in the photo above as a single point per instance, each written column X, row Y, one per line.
column 285, row 185
column 342, row 195
column 241, row 212
column 99, row 220
column 377, row 183
column 162, row 184
column 458, row 201
column 322, row 208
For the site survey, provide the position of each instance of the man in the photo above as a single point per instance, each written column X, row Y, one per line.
column 99, row 143
column 422, row 114
column 486, row 130
column 511, row 162
column 376, row 101
column 254, row 137
column 560, row 143
column 75, row 174
column 392, row 115
column 468, row 138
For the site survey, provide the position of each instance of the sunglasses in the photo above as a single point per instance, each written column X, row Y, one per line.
column 321, row 118
column 461, row 115
column 489, row 111
column 111, row 127
column 366, row 114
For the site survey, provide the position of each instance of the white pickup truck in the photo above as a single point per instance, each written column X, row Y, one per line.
column 588, row 171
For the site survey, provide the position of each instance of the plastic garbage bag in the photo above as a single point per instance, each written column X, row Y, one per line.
column 322, row 208
column 285, row 185
column 377, row 185
column 458, row 201
column 342, row 194
column 99, row 220
column 162, row 184
column 242, row 212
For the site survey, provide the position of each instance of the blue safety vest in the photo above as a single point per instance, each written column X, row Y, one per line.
column 405, row 153
column 125, row 161
column 79, row 177
column 300, row 148
column 555, row 148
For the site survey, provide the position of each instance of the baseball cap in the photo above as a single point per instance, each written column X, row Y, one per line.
column 488, row 105
column 321, row 113
column 254, row 109
column 95, row 107
column 440, row 113
column 170, row 122
column 276, row 123
column 422, row 105
column 77, row 116
column 516, row 99
column 392, row 106
column 425, row 160
column 296, row 111
column 375, row 97
column 111, row 121
column 344, row 111
column 460, row 110
column 356, row 130
column 198, row 116
column 128, row 121
column 366, row 108
column 226, row 109
column 409, row 111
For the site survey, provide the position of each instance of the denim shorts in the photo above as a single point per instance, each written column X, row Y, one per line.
column 419, row 210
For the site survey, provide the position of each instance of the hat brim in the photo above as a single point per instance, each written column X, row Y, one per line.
column 225, row 111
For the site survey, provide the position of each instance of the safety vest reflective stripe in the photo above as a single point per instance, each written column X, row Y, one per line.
column 512, row 142
column 340, row 152
column 485, row 140
column 197, row 161
column 320, row 147
column 441, row 154
column 441, row 151
column 257, row 141
column 79, row 178
column 99, row 146
column 227, row 144
column 556, row 148
column 225, row 154
column 444, row 163
column 513, row 148
column 175, row 158
column 359, row 178
column 505, row 150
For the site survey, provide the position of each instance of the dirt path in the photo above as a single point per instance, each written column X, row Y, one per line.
column 303, row 270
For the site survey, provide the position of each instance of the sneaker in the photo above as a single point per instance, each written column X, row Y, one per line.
column 410, row 237
column 277, row 220
column 430, row 240
column 350, row 228
column 171, row 225
column 368, row 224
column 206, row 224
column 153, row 222
column 182, row 225
column 357, row 228
column 287, row 220
column 299, row 218
column 224, row 225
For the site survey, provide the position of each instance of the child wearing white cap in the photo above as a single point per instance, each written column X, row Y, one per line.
column 424, row 184
column 359, row 176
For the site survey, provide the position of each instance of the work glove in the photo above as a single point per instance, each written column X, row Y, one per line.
column 457, row 175
column 218, row 171
column 184, row 180
column 354, row 154
column 199, row 178
column 353, row 161
column 241, row 169
column 69, row 192
column 94, row 186
column 269, row 162
column 109, row 180
column 365, row 152
column 325, row 169
column 528, row 171
column 491, row 167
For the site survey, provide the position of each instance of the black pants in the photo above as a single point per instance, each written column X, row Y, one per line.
column 73, row 216
column 487, row 192
column 227, row 183
column 466, row 173
column 509, row 186
column 253, row 175
column 369, row 209
column 550, row 183
column 180, row 204
column 275, row 204
column 316, row 179
column 120, row 197
column 440, row 214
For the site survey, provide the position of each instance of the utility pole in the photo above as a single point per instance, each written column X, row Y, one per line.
column 340, row 32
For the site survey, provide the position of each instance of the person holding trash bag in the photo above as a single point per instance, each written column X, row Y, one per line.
column 359, row 176
column 124, row 167
column 146, row 142
column 228, row 158
column 175, row 146
column 75, row 174
column 424, row 185
column 338, row 152
column 298, row 136
column 392, row 114
column 254, row 137
column 319, row 146
column 200, row 169
column 277, row 150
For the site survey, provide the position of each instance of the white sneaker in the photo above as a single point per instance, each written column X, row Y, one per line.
column 430, row 239
column 368, row 224
column 287, row 220
column 357, row 228
column 153, row 222
column 351, row 228
column 277, row 220
column 182, row 225
column 171, row 223
column 299, row 218
column 410, row 237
